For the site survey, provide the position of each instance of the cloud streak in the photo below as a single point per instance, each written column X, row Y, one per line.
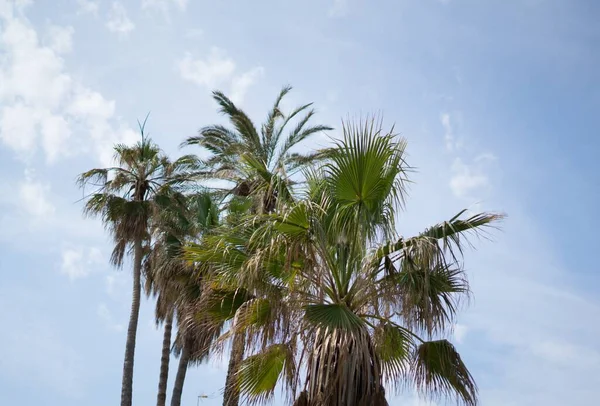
column 118, row 21
column 216, row 70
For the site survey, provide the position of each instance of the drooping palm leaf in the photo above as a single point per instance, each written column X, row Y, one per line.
column 258, row 374
column 439, row 370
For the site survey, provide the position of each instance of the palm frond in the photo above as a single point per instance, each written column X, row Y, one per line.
column 258, row 374
column 452, row 234
column 367, row 174
column 244, row 126
column 269, row 137
column 394, row 345
column 332, row 316
column 439, row 370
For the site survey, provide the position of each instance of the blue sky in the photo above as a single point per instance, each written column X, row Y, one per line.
column 498, row 102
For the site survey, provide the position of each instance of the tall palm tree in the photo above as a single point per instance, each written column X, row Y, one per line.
column 256, row 164
column 181, row 218
column 123, row 197
column 259, row 163
column 337, row 295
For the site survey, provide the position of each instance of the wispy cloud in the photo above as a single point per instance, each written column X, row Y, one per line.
column 88, row 7
column 33, row 197
column 118, row 20
column 467, row 179
column 339, row 8
column 452, row 144
column 216, row 70
column 106, row 316
column 60, row 38
column 164, row 6
column 79, row 262
column 240, row 84
column 210, row 72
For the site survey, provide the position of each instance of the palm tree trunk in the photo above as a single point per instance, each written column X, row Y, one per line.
column 231, row 395
column 184, row 359
column 127, row 384
column 161, row 398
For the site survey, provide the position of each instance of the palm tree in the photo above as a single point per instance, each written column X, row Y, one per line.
column 336, row 294
column 123, row 197
column 181, row 218
column 258, row 165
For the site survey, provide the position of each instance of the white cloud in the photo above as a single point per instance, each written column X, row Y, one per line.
column 79, row 262
column 60, row 38
column 18, row 127
column 216, row 70
column 486, row 156
column 31, row 72
column 7, row 8
column 164, row 5
column 240, row 84
column 339, row 8
column 55, row 132
column 104, row 313
column 467, row 179
column 452, row 144
column 33, row 198
column 88, row 7
column 41, row 105
column 212, row 72
column 118, row 21
column 94, row 113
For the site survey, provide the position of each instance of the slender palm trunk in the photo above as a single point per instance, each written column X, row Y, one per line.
column 184, row 359
column 231, row 395
column 161, row 398
column 127, row 384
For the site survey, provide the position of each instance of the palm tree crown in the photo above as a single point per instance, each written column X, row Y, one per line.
column 258, row 162
column 332, row 290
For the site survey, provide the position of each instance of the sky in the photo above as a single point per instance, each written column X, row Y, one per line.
column 498, row 101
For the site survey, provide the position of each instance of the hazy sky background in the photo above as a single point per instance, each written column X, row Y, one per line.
column 498, row 100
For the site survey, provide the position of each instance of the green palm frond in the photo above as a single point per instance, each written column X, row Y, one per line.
column 332, row 316
column 439, row 370
column 244, row 126
column 270, row 137
column 451, row 235
column 367, row 174
column 394, row 345
column 254, row 312
column 222, row 305
column 258, row 374
column 430, row 297
column 295, row 161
